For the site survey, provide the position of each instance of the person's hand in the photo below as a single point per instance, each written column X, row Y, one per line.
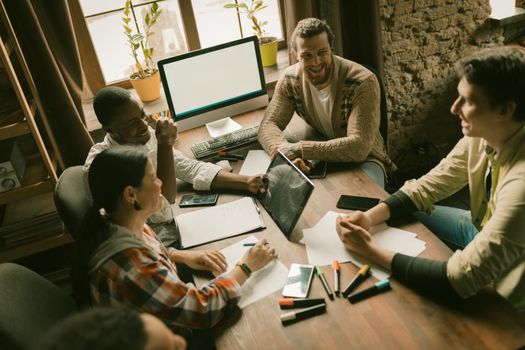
column 259, row 255
column 166, row 131
column 206, row 260
column 360, row 218
column 354, row 237
column 256, row 184
column 304, row 165
column 290, row 150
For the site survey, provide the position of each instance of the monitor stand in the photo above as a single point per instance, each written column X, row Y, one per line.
column 222, row 126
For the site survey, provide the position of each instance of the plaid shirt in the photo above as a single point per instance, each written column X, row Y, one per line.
column 146, row 279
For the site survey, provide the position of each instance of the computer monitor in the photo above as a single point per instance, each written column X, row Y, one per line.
column 214, row 83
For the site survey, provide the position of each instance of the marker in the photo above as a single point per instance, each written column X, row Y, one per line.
column 291, row 303
column 377, row 288
column 231, row 159
column 294, row 316
column 230, row 155
column 337, row 275
column 325, row 283
column 360, row 277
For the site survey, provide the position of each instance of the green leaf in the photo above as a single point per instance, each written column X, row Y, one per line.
column 262, row 8
column 263, row 23
column 128, row 29
column 154, row 7
column 126, row 11
column 147, row 19
column 136, row 46
column 243, row 5
column 230, row 6
column 126, row 20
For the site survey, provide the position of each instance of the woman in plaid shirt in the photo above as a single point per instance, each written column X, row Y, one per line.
column 122, row 261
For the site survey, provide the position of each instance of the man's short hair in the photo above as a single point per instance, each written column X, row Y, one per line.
column 106, row 100
column 310, row 27
column 500, row 72
column 98, row 328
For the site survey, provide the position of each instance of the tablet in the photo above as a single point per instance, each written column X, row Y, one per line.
column 287, row 192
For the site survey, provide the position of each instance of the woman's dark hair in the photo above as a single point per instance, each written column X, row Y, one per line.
column 110, row 173
column 98, row 328
column 500, row 72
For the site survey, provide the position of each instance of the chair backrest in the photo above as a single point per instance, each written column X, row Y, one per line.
column 29, row 306
column 383, row 124
column 72, row 198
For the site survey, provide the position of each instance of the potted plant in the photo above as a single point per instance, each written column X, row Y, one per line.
column 267, row 44
column 145, row 78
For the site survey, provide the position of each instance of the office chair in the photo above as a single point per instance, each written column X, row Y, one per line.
column 72, row 198
column 29, row 306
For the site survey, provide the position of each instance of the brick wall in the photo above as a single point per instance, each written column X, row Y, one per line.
column 422, row 39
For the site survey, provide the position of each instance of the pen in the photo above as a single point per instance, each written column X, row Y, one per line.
column 230, row 155
column 360, row 277
column 252, row 244
column 325, row 283
column 294, row 316
column 337, row 274
column 290, row 303
column 215, row 159
column 377, row 288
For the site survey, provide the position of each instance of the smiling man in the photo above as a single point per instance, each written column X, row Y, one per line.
column 338, row 98
column 490, row 159
column 122, row 117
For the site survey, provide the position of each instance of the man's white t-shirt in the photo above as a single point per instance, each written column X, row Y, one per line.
column 322, row 102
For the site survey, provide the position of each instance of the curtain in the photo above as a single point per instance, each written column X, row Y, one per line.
column 355, row 24
column 45, row 34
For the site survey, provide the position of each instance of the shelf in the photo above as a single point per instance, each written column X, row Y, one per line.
column 14, row 130
column 36, row 246
column 36, row 181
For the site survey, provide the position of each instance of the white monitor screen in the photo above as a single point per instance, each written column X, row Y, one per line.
column 213, row 78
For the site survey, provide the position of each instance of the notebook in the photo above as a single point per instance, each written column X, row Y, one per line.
column 288, row 191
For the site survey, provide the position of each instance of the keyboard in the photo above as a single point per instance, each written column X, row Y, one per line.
column 224, row 142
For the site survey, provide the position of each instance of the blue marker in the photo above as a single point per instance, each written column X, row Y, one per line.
column 377, row 288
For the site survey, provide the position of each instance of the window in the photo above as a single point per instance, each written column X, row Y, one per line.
column 183, row 25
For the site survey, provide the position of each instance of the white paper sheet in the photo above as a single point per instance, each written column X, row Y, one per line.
column 324, row 246
column 256, row 162
column 222, row 127
column 261, row 283
column 225, row 220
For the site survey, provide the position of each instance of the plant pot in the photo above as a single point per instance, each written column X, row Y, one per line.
column 268, row 47
column 148, row 89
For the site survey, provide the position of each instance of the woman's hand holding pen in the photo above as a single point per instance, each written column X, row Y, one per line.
column 259, row 255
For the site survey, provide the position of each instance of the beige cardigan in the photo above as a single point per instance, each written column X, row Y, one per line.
column 355, row 115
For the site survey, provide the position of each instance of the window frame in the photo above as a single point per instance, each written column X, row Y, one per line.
column 91, row 64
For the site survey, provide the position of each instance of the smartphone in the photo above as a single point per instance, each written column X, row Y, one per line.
column 298, row 281
column 319, row 169
column 198, row 200
column 356, row 202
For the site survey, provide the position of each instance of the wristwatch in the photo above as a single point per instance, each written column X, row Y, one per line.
column 245, row 268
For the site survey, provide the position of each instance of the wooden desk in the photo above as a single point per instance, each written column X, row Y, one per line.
column 399, row 319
